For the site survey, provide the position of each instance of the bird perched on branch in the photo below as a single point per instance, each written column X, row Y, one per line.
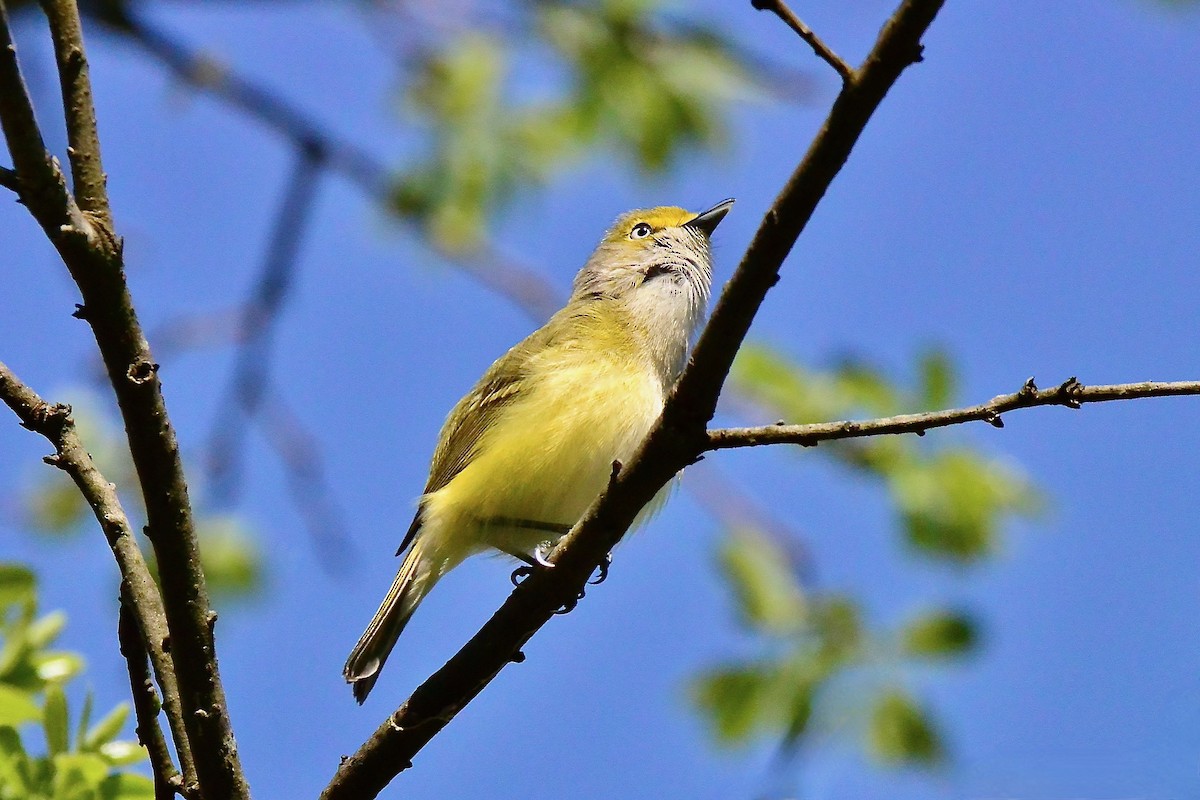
column 521, row 457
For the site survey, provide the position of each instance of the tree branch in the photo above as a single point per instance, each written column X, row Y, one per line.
column 138, row 590
column 92, row 254
column 1071, row 394
column 83, row 143
column 781, row 10
column 676, row 440
column 146, row 704
column 9, row 179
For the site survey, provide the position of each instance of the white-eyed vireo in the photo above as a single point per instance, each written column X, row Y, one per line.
column 522, row 456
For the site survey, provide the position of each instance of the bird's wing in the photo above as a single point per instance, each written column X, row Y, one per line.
column 459, row 441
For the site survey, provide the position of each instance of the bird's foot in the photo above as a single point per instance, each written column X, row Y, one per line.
column 601, row 571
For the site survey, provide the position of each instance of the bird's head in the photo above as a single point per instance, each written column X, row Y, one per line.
column 657, row 252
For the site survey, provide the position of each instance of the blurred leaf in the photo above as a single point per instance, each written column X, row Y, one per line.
column 55, row 506
column 17, row 586
column 939, row 634
column 763, row 581
column 17, row 707
column 107, row 729
column 939, row 384
column 122, row 753
column 230, row 555
column 43, row 631
column 901, row 733
column 58, row 666
column 952, row 502
column 78, row 775
column 839, row 628
column 738, row 701
column 127, row 786
column 54, row 719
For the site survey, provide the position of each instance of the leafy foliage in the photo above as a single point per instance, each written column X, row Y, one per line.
column 950, row 500
column 83, row 764
column 631, row 82
column 816, row 644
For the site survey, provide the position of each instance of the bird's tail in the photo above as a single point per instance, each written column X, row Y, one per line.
column 416, row 577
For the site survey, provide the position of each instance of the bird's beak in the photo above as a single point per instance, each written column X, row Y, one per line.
column 707, row 220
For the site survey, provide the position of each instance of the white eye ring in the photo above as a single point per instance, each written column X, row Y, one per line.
column 641, row 231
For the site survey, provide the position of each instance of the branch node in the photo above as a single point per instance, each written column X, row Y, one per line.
column 993, row 419
column 1030, row 388
column 141, row 372
column 80, row 312
column 518, row 657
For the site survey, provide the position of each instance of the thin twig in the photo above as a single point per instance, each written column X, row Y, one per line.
column 9, row 179
column 1071, row 394
column 676, row 440
column 92, row 254
column 54, row 422
column 145, row 703
column 40, row 183
column 83, row 143
column 823, row 51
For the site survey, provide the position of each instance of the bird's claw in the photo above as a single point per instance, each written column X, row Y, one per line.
column 541, row 553
column 602, row 571
column 519, row 574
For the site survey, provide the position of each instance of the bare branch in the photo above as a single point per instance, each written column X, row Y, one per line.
column 781, row 10
column 9, row 180
column 146, row 704
column 83, row 144
column 92, row 254
column 39, row 181
column 1071, row 394
column 138, row 589
column 676, row 440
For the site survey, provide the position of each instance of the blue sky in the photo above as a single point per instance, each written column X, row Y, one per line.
column 1026, row 198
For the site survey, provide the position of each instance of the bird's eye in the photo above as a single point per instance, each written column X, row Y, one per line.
column 641, row 231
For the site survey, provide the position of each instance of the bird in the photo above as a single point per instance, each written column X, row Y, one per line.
column 521, row 456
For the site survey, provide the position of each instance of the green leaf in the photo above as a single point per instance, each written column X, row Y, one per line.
column 56, row 507
column 54, row 719
column 14, row 765
column 85, row 719
column 232, row 562
column 939, row 384
column 939, row 634
column 17, row 585
column 762, row 578
column 838, row 625
column 127, row 786
column 953, row 502
column 901, row 733
column 45, row 630
column 738, row 701
column 121, row 753
column 106, row 729
column 17, row 707
column 78, row 775
column 58, row 666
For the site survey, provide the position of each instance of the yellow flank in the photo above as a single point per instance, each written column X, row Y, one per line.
column 549, row 456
